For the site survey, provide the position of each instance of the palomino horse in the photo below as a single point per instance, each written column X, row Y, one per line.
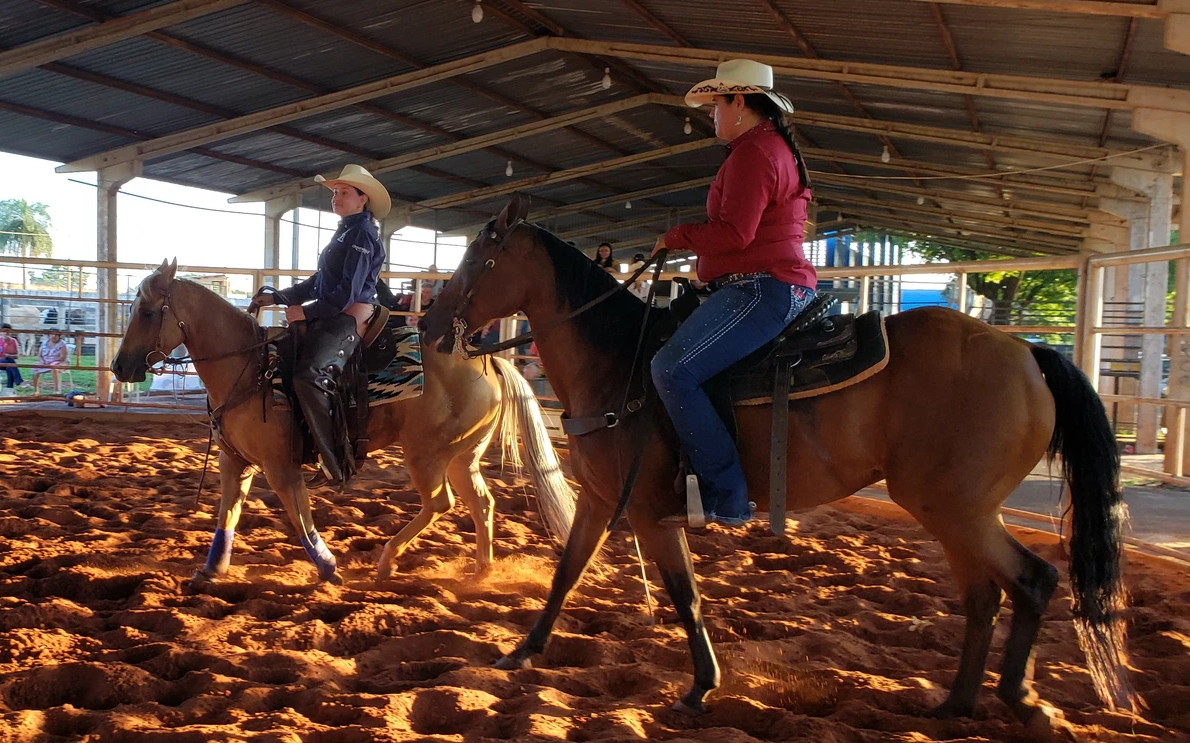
column 443, row 432
column 956, row 420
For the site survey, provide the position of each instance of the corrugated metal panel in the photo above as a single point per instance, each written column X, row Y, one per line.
column 264, row 37
column 1150, row 62
column 452, row 108
column 24, row 21
column 602, row 19
column 61, row 94
column 46, row 139
column 162, row 67
column 1069, row 45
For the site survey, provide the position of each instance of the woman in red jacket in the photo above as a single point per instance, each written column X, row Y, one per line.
column 750, row 251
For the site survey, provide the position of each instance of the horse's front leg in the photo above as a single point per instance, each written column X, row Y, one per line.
column 233, row 485
column 586, row 536
column 291, row 489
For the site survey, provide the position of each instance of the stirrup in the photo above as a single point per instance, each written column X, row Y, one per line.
column 695, row 516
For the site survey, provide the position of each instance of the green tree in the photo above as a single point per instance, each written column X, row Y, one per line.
column 58, row 277
column 25, row 231
column 1030, row 298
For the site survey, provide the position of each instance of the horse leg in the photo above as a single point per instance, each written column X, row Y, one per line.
column 586, row 536
column 669, row 551
column 291, row 489
column 464, row 475
column 1030, row 586
column 233, row 486
column 436, row 500
column 981, row 601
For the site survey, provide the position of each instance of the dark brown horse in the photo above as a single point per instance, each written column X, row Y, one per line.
column 443, row 432
column 954, row 423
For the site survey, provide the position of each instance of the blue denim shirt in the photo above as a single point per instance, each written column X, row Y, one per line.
column 347, row 270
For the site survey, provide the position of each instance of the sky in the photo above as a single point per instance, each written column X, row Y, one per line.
column 206, row 231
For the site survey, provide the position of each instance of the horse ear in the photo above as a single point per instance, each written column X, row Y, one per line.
column 168, row 270
column 516, row 209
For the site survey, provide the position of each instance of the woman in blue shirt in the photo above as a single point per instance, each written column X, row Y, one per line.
column 330, row 310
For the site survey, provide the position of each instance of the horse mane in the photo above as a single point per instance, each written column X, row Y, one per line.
column 245, row 317
column 614, row 323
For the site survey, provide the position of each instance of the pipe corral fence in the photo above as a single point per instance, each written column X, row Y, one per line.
column 1166, row 346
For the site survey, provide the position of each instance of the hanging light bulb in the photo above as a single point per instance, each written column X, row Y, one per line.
column 627, row 204
column 921, row 200
column 687, row 128
column 508, row 169
column 606, row 82
column 477, row 12
column 885, row 155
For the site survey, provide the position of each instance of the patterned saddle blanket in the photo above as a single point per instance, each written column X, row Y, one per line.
column 401, row 377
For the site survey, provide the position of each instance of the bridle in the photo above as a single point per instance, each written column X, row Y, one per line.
column 458, row 325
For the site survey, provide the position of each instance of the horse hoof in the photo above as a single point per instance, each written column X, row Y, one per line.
column 511, row 662
column 334, row 579
column 688, row 710
column 949, row 710
column 1047, row 724
column 200, row 580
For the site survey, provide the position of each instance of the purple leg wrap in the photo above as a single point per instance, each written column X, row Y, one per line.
column 318, row 552
column 219, row 558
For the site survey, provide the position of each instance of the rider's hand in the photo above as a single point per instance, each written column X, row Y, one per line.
column 295, row 313
column 658, row 247
column 262, row 298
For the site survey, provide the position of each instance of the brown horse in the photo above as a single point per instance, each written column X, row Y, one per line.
column 957, row 419
column 443, row 432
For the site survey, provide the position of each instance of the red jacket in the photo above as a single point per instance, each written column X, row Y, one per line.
column 756, row 213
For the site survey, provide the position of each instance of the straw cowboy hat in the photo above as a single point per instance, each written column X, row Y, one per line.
column 738, row 77
column 379, row 202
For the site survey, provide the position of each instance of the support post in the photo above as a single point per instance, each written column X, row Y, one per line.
column 1092, row 341
column 274, row 209
column 109, row 181
column 962, row 292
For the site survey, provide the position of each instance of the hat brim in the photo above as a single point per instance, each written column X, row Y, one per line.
column 704, row 92
column 379, row 200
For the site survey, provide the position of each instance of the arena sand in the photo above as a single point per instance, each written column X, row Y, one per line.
column 848, row 631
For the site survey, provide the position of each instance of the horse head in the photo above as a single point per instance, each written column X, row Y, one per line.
column 147, row 333
column 490, row 281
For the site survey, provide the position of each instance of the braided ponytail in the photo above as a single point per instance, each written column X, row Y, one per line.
column 768, row 109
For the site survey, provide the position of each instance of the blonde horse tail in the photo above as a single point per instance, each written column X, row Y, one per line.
column 519, row 409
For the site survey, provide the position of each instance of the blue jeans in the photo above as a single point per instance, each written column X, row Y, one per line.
column 11, row 373
column 732, row 323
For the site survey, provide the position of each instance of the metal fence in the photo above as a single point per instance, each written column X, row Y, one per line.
column 1104, row 337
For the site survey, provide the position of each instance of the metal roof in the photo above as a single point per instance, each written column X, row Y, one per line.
column 259, row 55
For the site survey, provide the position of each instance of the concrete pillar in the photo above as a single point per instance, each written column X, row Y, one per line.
column 274, row 209
column 394, row 222
column 1177, row 25
column 1148, row 228
column 109, row 181
column 1125, row 289
column 1172, row 127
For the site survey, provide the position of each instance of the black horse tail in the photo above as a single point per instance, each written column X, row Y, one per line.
column 1091, row 466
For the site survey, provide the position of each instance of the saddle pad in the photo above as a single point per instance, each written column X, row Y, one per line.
column 838, row 367
column 403, row 378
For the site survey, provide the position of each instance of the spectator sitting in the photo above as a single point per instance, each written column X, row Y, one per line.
column 9, row 350
column 603, row 258
column 640, row 287
column 52, row 358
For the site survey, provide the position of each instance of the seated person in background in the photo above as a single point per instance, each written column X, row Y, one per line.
column 51, row 359
column 9, row 350
column 603, row 258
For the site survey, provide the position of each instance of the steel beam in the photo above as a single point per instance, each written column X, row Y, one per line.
column 1084, row 7
column 191, row 138
column 42, row 51
column 964, row 199
column 1014, row 87
column 1018, row 240
column 469, row 144
column 479, row 194
column 1048, row 228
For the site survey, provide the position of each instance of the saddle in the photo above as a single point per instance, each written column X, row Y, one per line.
column 815, row 355
column 376, row 350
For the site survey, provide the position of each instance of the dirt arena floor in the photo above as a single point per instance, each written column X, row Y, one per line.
column 849, row 631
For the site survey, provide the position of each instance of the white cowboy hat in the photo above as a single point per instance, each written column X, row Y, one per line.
column 738, row 77
column 379, row 202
